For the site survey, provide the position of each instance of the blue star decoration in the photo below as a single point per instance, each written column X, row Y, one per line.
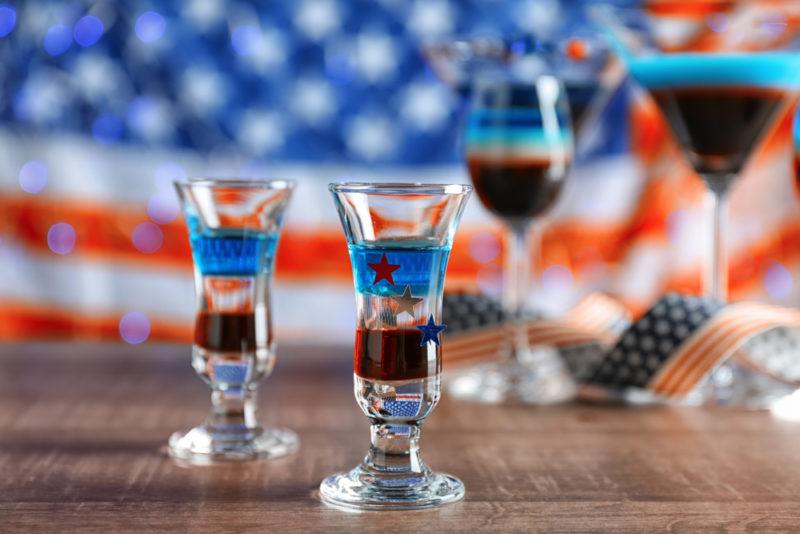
column 430, row 331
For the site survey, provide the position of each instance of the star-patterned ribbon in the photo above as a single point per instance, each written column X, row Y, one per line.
column 668, row 351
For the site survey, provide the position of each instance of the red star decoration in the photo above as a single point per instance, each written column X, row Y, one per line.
column 383, row 270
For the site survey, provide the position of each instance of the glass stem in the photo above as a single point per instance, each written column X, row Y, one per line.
column 517, row 279
column 394, row 449
column 715, row 280
column 233, row 411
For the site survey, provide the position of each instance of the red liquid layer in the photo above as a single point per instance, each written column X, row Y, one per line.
column 797, row 172
column 226, row 332
column 718, row 127
column 395, row 354
column 515, row 188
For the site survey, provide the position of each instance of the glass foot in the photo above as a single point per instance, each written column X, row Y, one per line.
column 362, row 490
column 735, row 385
column 540, row 379
column 200, row 446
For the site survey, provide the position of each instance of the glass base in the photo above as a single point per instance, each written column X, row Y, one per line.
column 539, row 379
column 737, row 386
column 363, row 490
column 731, row 385
column 200, row 446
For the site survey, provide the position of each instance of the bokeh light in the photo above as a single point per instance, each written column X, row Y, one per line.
column 556, row 277
column 33, row 177
column 57, row 40
column 88, row 30
column 147, row 237
column 8, row 19
column 61, row 238
column 490, row 280
column 718, row 22
column 134, row 327
column 778, row 281
column 150, row 27
column 163, row 207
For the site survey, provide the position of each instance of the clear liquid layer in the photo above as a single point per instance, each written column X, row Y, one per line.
column 397, row 402
column 232, row 370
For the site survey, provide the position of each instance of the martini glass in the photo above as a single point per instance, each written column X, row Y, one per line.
column 719, row 100
column 577, row 58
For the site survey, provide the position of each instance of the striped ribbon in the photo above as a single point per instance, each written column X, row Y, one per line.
column 668, row 351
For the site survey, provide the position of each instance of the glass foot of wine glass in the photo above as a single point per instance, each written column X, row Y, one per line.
column 364, row 490
column 538, row 377
column 202, row 446
column 734, row 385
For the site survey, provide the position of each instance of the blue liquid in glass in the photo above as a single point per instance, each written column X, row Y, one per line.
column 231, row 251
column 420, row 266
column 780, row 70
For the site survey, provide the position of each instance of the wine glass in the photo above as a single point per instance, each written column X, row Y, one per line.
column 519, row 147
column 721, row 88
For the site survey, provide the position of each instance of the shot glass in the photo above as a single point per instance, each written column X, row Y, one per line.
column 234, row 228
column 399, row 237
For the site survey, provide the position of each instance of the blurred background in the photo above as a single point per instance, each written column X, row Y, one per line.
column 103, row 104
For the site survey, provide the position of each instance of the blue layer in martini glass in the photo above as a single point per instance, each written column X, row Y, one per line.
column 518, row 155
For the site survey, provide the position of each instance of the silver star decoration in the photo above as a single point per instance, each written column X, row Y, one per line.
column 405, row 302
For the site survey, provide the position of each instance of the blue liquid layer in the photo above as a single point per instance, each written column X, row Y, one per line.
column 522, row 126
column 419, row 267
column 234, row 255
column 780, row 70
column 231, row 251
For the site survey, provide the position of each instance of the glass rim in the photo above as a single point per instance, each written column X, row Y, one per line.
column 609, row 15
column 399, row 188
column 243, row 183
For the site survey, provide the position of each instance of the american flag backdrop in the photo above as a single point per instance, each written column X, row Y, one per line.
column 103, row 104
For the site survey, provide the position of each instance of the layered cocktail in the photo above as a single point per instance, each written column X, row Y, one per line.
column 720, row 96
column 399, row 237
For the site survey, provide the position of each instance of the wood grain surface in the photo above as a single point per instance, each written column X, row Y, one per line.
column 83, row 428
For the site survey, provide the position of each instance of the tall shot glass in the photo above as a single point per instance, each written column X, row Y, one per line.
column 399, row 237
column 234, row 228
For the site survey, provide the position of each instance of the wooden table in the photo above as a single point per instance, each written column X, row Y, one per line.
column 83, row 427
